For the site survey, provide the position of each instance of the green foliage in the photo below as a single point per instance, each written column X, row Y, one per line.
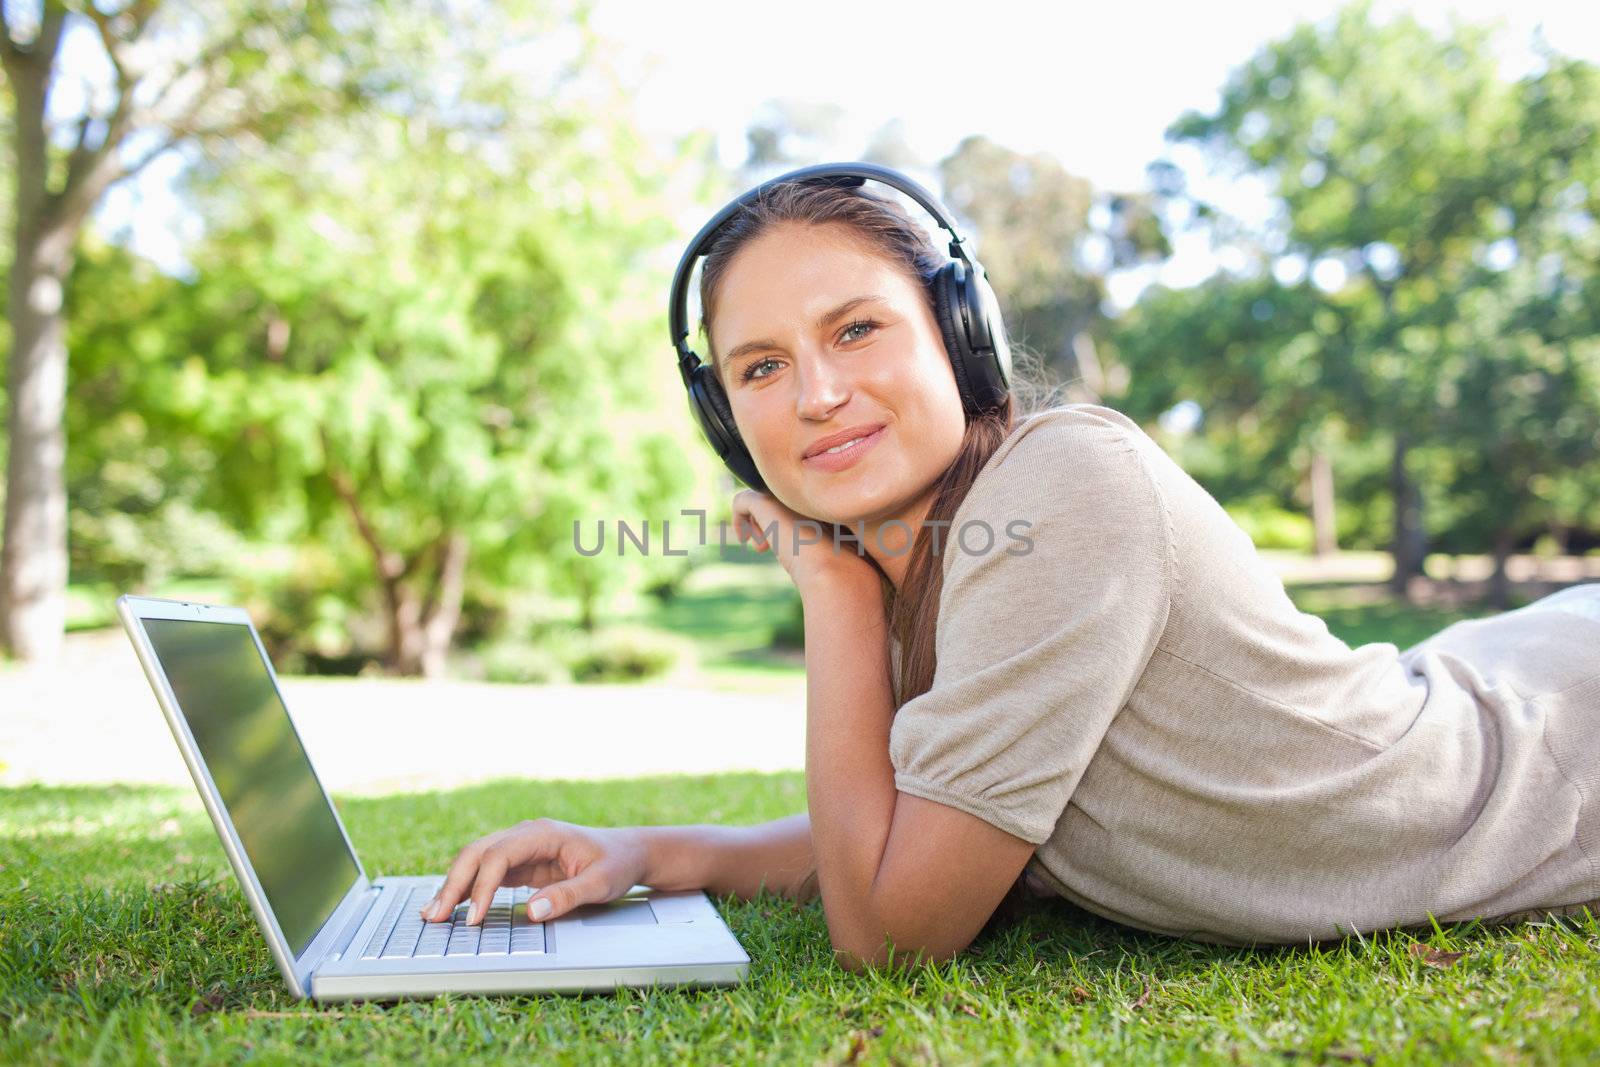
column 730, row 610
column 624, row 654
column 565, row 654
column 523, row 663
column 314, row 609
column 1462, row 210
column 1270, row 526
column 133, row 477
column 1037, row 226
column 791, row 629
column 423, row 321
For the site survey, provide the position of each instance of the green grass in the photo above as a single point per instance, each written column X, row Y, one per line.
column 1356, row 621
column 729, row 611
column 122, row 937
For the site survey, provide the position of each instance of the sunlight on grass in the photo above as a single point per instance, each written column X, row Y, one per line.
column 121, row 928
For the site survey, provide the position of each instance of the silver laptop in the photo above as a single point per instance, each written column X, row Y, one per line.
column 337, row 935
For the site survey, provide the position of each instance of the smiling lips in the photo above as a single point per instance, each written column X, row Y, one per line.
column 838, row 451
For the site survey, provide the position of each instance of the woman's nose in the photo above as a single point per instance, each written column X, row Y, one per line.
column 823, row 387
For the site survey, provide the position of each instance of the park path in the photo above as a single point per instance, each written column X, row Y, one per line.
column 92, row 718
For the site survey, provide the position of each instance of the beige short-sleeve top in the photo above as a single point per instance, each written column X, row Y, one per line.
column 1128, row 686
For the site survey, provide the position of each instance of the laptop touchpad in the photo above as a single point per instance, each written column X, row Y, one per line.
column 615, row 913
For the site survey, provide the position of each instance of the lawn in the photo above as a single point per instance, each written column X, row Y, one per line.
column 122, row 937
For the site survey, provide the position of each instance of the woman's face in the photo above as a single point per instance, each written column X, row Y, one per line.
column 816, row 335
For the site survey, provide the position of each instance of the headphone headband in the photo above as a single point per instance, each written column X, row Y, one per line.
column 845, row 174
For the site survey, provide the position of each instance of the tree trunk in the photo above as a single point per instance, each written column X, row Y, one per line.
column 421, row 629
column 1322, row 502
column 444, row 607
column 588, row 594
column 33, row 564
column 1499, row 580
column 33, row 554
column 404, row 656
column 1409, row 547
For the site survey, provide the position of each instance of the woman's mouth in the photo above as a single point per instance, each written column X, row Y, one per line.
column 846, row 454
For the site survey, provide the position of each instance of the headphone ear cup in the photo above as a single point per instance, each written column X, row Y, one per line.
column 946, row 285
column 975, row 337
column 986, row 307
column 715, row 415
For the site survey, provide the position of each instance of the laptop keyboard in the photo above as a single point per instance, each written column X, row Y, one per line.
column 505, row 931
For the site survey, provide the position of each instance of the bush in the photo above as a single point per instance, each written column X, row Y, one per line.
column 524, row 663
column 308, row 615
column 791, row 632
column 1271, row 526
column 622, row 654
column 562, row 656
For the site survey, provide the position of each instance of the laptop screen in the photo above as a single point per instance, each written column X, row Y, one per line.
column 243, row 732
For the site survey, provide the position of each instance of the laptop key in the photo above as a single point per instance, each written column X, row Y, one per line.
column 527, row 936
column 380, row 936
column 402, row 940
column 527, row 941
column 402, row 943
column 463, row 941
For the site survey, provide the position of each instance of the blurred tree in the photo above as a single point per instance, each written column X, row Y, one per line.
column 8, row 204
column 1035, row 232
column 132, row 474
column 787, row 133
column 179, row 74
column 1246, row 350
column 429, row 326
column 1521, row 412
column 888, row 147
column 1396, row 157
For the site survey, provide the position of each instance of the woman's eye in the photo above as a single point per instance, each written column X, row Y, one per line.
column 750, row 371
column 864, row 324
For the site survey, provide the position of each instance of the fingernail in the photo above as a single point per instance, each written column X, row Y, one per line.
column 472, row 914
column 430, row 907
column 540, row 908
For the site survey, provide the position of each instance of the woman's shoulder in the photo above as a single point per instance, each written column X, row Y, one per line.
column 1083, row 472
column 1078, row 442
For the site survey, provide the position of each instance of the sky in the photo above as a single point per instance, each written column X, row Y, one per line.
column 1096, row 85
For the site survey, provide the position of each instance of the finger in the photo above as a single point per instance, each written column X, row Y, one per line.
column 750, row 532
column 491, row 872
column 553, row 901
column 461, row 874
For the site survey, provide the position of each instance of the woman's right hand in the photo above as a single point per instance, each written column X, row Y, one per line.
column 570, row 864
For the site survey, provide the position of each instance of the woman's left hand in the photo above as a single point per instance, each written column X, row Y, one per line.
column 804, row 546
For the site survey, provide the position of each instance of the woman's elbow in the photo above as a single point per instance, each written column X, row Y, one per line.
column 856, row 956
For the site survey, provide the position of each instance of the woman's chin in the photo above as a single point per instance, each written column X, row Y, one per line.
column 844, row 500
column 843, row 509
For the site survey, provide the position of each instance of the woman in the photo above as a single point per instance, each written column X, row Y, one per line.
column 1129, row 707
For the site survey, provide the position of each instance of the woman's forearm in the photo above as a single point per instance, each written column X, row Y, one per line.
column 850, row 789
column 733, row 859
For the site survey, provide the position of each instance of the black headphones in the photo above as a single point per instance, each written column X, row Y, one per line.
column 964, row 305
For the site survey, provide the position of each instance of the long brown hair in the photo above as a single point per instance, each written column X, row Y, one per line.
column 885, row 228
